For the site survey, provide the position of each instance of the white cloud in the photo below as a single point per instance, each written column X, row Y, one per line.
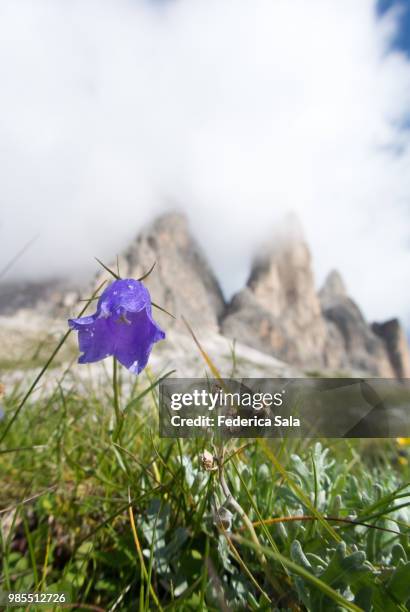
column 239, row 110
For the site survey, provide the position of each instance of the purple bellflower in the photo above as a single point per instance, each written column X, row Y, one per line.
column 122, row 326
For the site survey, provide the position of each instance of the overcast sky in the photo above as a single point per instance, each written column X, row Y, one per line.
column 235, row 111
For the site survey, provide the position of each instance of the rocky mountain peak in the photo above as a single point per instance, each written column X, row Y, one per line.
column 281, row 275
column 182, row 281
column 333, row 288
column 281, row 312
column 279, row 308
column 394, row 337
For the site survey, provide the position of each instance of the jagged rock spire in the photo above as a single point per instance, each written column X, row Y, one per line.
column 333, row 289
column 397, row 345
column 182, row 281
column 280, row 312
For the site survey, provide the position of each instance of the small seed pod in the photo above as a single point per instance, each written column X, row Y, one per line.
column 207, row 461
column 223, row 518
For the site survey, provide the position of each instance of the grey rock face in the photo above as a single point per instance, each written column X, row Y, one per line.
column 364, row 351
column 279, row 310
column 396, row 344
column 41, row 295
column 182, row 281
column 333, row 290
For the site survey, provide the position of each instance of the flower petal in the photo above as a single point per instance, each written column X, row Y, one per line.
column 95, row 340
column 81, row 322
column 127, row 293
column 134, row 339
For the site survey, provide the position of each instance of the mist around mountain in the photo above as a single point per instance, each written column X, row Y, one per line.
column 278, row 313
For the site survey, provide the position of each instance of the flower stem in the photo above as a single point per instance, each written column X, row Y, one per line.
column 238, row 508
column 245, row 518
column 118, row 415
column 232, row 501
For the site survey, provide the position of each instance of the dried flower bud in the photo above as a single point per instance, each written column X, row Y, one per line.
column 223, row 518
column 207, row 461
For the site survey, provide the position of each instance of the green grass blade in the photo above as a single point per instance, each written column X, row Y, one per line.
column 298, row 491
column 44, row 370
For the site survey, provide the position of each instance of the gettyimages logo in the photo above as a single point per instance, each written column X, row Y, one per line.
column 222, row 398
column 231, row 411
